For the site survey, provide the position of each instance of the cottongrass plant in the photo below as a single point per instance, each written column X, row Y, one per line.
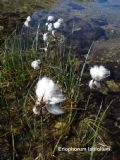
column 50, row 27
column 58, row 23
column 26, row 23
column 45, row 37
column 49, row 95
column 36, row 64
column 30, row 95
column 51, row 33
column 98, row 73
column 50, row 18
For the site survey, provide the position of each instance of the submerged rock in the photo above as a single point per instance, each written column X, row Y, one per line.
column 83, row 33
column 76, row 6
column 99, row 22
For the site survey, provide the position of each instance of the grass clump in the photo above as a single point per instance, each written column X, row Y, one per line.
column 31, row 135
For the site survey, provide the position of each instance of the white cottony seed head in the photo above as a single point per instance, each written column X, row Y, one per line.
column 36, row 64
column 45, row 49
column 48, row 92
column 99, row 72
column 50, row 18
column 94, row 84
column 46, row 24
column 60, row 20
column 28, row 19
column 36, row 111
column 53, row 32
column 57, row 25
column 45, row 36
column 26, row 23
column 50, row 27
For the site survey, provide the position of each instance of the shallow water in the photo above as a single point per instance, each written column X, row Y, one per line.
column 84, row 22
column 105, row 11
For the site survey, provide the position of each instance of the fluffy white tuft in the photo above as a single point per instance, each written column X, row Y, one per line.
column 54, row 109
column 48, row 92
column 50, row 18
column 36, row 64
column 60, row 20
column 46, row 23
column 26, row 23
column 28, row 19
column 50, row 27
column 94, row 84
column 57, row 25
column 45, row 36
column 99, row 72
column 53, row 32
column 45, row 49
column 36, row 111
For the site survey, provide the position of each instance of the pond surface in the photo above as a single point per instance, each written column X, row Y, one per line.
column 84, row 22
column 85, row 19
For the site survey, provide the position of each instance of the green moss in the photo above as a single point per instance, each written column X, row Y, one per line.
column 24, row 6
column 14, row 13
column 114, row 87
column 1, row 28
